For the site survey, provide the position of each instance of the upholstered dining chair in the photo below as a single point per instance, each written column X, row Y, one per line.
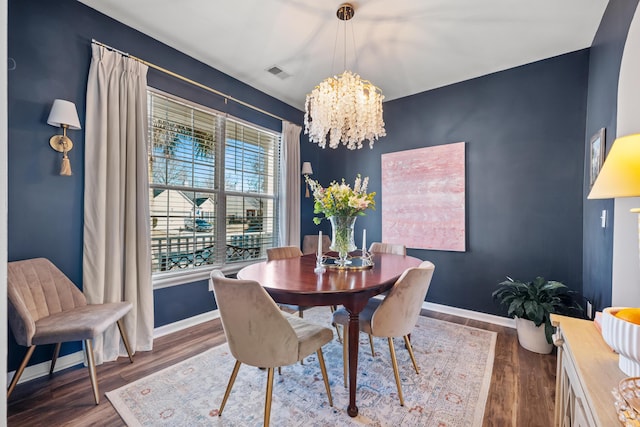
column 284, row 252
column 259, row 334
column 385, row 248
column 388, row 248
column 394, row 316
column 45, row 307
column 310, row 243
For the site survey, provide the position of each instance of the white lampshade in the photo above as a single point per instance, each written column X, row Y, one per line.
column 620, row 174
column 64, row 113
column 306, row 168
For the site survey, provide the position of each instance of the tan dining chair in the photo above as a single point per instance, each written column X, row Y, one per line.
column 45, row 307
column 310, row 244
column 385, row 248
column 388, row 248
column 284, row 252
column 394, row 316
column 259, row 334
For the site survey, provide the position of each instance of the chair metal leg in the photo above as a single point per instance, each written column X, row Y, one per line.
column 88, row 347
column 373, row 352
column 20, row 370
column 333, row 308
column 124, row 339
column 234, row 373
column 345, row 355
column 407, row 344
column 325, row 377
column 394, row 362
column 54, row 359
column 267, row 403
column 300, row 315
column 335, row 325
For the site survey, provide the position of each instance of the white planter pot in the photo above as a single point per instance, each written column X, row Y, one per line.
column 532, row 337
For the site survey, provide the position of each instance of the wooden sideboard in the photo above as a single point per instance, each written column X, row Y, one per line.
column 587, row 372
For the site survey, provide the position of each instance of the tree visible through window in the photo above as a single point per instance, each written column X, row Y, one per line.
column 213, row 184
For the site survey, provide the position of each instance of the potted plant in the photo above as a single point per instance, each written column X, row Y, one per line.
column 531, row 304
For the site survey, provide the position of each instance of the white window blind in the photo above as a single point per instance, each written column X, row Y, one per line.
column 213, row 186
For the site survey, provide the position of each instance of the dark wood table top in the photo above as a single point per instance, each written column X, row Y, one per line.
column 293, row 280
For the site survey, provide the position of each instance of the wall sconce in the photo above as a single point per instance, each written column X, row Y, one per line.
column 306, row 171
column 63, row 114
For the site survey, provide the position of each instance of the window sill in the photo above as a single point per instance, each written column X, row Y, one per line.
column 176, row 278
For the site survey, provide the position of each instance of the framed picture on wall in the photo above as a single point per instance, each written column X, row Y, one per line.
column 596, row 150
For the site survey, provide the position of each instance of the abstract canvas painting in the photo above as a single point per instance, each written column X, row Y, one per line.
column 423, row 197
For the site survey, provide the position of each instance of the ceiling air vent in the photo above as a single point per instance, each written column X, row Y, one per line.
column 278, row 72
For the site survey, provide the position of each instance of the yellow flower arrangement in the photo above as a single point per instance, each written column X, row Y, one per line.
column 339, row 199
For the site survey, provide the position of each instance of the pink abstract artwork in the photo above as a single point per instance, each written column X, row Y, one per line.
column 423, row 197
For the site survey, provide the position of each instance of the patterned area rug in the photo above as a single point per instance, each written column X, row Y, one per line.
column 451, row 390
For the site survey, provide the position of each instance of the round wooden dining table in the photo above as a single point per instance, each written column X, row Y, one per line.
column 293, row 281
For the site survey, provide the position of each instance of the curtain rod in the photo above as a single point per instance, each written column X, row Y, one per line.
column 188, row 80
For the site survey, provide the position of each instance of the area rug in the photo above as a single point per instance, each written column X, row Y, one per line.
column 455, row 364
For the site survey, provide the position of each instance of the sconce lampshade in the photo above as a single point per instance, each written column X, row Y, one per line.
column 64, row 113
column 306, row 168
column 620, row 174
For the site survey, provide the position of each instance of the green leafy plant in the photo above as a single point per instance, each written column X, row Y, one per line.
column 536, row 300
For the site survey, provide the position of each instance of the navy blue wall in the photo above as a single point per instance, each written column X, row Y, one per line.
column 524, row 130
column 50, row 43
column 604, row 70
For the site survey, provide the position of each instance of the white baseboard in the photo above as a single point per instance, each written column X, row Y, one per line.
column 73, row 359
column 469, row 314
column 185, row 323
column 67, row 361
column 42, row 369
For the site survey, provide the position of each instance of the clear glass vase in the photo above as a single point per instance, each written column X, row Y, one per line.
column 342, row 237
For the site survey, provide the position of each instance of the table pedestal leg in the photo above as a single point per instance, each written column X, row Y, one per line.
column 354, row 335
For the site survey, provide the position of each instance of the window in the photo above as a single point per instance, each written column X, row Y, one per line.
column 213, row 183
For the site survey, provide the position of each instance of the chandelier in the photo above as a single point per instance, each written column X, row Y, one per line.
column 346, row 108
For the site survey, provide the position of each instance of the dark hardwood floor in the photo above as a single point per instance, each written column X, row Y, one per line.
column 521, row 394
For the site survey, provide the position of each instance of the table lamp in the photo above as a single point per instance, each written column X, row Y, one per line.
column 620, row 177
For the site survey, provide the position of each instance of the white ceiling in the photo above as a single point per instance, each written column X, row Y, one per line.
column 402, row 46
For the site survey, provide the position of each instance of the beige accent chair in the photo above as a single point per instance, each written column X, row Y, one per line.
column 261, row 335
column 310, row 244
column 45, row 307
column 394, row 316
column 385, row 248
column 388, row 248
column 284, row 252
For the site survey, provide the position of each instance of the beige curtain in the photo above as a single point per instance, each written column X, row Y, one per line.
column 117, row 256
column 289, row 229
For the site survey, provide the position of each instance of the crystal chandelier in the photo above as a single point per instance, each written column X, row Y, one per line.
column 345, row 107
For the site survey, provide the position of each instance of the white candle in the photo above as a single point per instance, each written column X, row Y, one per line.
column 364, row 240
column 319, row 243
